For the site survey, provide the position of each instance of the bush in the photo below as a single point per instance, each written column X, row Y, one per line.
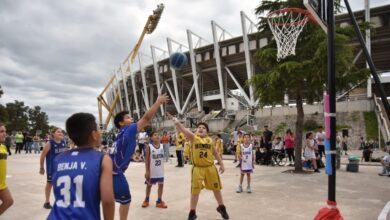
column 310, row 125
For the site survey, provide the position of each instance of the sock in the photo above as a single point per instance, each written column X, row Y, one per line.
column 147, row 198
column 192, row 212
column 221, row 206
column 158, row 200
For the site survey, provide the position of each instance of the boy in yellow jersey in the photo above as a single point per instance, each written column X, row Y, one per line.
column 239, row 142
column 204, row 173
column 5, row 194
column 187, row 149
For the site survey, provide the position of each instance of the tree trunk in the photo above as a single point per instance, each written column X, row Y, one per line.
column 299, row 132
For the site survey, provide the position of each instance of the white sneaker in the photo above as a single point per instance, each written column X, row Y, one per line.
column 248, row 189
column 239, row 189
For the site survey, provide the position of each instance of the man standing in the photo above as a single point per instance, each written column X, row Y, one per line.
column 8, row 144
column 267, row 140
column 19, row 142
column 320, row 137
column 142, row 139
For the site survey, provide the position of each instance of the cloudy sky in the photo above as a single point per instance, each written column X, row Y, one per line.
column 59, row 54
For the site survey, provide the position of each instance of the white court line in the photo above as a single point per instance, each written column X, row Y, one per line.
column 384, row 212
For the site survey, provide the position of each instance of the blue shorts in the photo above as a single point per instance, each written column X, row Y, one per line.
column 153, row 181
column 121, row 189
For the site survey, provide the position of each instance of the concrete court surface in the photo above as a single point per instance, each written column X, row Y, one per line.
column 276, row 195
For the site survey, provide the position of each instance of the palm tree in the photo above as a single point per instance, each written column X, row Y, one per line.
column 303, row 76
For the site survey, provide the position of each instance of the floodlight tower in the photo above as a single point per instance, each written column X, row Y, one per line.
column 149, row 27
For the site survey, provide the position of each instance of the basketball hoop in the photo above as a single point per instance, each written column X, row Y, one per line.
column 286, row 24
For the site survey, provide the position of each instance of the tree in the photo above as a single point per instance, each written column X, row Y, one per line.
column 303, row 76
column 17, row 116
column 1, row 92
column 38, row 120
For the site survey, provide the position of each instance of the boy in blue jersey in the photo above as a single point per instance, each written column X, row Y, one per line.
column 51, row 149
column 123, row 149
column 82, row 176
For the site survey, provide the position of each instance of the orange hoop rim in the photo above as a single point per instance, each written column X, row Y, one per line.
column 297, row 10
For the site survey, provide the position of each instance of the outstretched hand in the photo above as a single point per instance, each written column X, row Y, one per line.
column 221, row 168
column 163, row 99
column 169, row 115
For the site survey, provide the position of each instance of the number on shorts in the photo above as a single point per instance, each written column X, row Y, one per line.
column 203, row 154
column 65, row 191
column 157, row 163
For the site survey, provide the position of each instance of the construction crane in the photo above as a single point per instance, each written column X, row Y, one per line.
column 149, row 27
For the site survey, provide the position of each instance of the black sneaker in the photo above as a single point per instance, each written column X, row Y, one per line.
column 192, row 216
column 317, row 171
column 222, row 210
column 47, row 205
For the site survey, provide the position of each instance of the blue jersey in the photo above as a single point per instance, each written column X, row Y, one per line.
column 55, row 149
column 123, row 148
column 76, row 184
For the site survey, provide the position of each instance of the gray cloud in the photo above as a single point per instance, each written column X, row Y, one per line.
column 59, row 54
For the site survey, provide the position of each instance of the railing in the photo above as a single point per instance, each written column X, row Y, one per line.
column 382, row 119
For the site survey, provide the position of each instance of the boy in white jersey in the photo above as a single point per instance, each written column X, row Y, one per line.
column 246, row 157
column 154, row 169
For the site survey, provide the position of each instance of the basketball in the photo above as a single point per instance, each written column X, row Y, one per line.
column 178, row 60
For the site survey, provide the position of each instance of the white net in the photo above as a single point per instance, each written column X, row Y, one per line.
column 286, row 27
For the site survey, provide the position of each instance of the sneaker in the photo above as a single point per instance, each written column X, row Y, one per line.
column 161, row 205
column 145, row 204
column 238, row 165
column 234, row 161
column 317, row 171
column 383, row 174
column 47, row 205
column 192, row 216
column 248, row 189
column 222, row 210
column 239, row 189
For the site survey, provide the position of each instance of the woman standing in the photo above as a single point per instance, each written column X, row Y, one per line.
column 310, row 151
column 289, row 145
column 5, row 194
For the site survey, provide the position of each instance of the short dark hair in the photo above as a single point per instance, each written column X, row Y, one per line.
column 308, row 134
column 204, row 124
column 1, row 124
column 79, row 126
column 219, row 135
column 119, row 117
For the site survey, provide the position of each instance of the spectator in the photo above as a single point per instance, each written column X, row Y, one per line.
column 362, row 143
column 289, row 146
column 385, row 166
column 267, row 141
column 179, row 148
column 344, row 142
column 8, row 144
column 233, row 140
column 166, row 140
column 36, row 145
column 142, row 140
column 19, row 142
column 320, row 138
column 310, row 151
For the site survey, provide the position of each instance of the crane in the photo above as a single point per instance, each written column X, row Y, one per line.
column 149, row 27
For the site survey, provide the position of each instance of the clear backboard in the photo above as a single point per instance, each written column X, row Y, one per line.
column 318, row 9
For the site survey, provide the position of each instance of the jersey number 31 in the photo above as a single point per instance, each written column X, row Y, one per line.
column 65, row 191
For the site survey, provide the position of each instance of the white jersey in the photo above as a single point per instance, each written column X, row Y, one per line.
column 247, row 155
column 156, row 161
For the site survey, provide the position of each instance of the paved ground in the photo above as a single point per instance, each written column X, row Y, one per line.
column 276, row 195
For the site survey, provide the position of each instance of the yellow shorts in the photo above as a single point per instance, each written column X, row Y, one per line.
column 3, row 184
column 207, row 175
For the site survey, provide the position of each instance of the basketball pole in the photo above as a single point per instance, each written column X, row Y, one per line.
column 371, row 65
column 332, row 98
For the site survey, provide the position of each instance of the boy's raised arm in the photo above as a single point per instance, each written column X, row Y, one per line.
column 162, row 99
column 181, row 128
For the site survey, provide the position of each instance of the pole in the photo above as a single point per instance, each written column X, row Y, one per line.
column 332, row 98
column 377, row 81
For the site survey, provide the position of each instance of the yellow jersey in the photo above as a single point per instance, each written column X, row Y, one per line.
column 202, row 151
column 187, row 149
column 179, row 141
column 3, row 166
column 238, row 148
column 219, row 145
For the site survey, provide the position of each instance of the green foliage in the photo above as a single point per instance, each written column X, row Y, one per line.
column 371, row 125
column 1, row 92
column 310, row 125
column 17, row 116
column 280, row 128
column 38, row 120
column 340, row 127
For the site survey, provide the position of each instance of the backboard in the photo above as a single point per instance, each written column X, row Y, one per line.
column 318, row 8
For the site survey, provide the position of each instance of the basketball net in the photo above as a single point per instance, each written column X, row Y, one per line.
column 286, row 25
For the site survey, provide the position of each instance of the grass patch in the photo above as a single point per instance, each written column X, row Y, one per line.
column 371, row 125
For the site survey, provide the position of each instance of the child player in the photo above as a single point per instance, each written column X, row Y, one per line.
column 154, row 169
column 5, row 194
column 247, row 159
column 204, row 173
column 82, row 176
column 123, row 150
